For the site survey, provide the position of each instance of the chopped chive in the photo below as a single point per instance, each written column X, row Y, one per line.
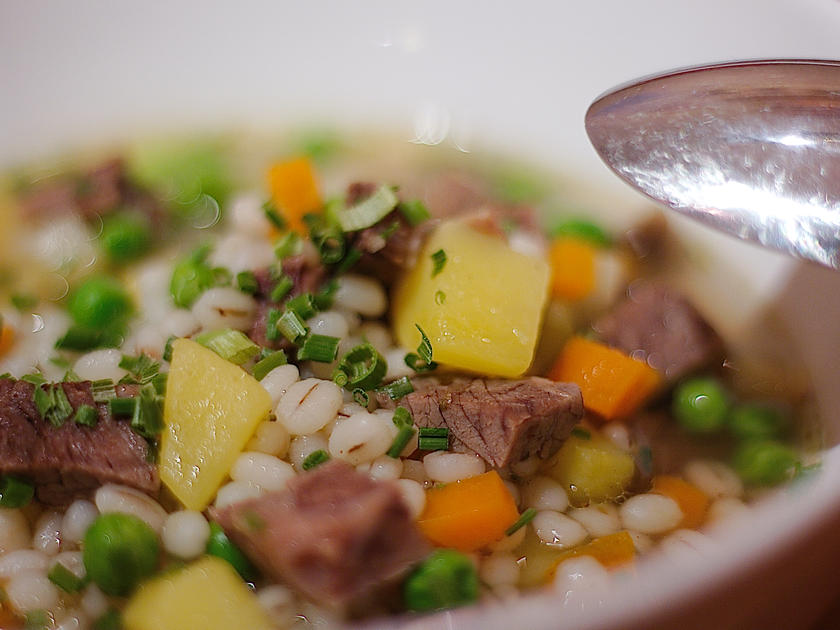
column 268, row 363
column 291, row 326
column 425, row 347
column 324, row 298
column 351, row 258
column 246, row 282
column 15, row 493
column 44, row 398
column 433, row 439
column 361, row 397
column 52, row 404
column 142, row 368
column 86, row 415
column 271, row 320
column 362, row 366
column 315, row 458
column 303, row 305
column 35, row 379
column 526, row 517
column 414, row 211
column 273, row 216
column 321, row 348
column 438, row 262
column 147, row 419
column 422, row 360
column 65, row 579
column 81, row 338
column 159, row 383
column 103, row 390
column 191, row 277
column 402, row 417
column 402, row 439
column 440, row 298
column 328, row 240
column 231, row 345
column 288, row 245
column 167, row 349
column 369, row 210
column 70, row 376
column 122, row 406
column 398, row 388
column 581, row 433
column 282, row 288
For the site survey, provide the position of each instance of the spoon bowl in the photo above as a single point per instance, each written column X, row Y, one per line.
column 749, row 147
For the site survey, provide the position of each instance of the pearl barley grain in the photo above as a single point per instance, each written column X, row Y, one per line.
column 558, row 530
column 650, row 513
column 185, row 534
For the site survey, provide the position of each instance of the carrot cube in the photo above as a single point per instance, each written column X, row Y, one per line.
column 613, row 384
column 468, row 514
column 294, row 190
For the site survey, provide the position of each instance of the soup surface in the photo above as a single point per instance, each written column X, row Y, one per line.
column 285, row 383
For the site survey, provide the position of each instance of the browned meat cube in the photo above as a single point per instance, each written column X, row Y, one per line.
column 503, row 421
column 658, row 325
column 337, row 536
column 69, row 461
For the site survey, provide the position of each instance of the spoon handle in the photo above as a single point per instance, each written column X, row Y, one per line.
column 749, row 147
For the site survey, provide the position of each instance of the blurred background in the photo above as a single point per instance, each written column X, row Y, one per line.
column 499, row 75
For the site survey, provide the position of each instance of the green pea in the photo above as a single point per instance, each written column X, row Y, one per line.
column 119, row 551
column 756, row 421
column 126, row 236
column 221, row 546
column 446, row 579
column 99, row 302
column 701, row 404
column 765, row 462
column 582, row 229
column 190, row 279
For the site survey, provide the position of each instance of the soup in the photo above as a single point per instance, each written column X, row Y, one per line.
column 269, row 384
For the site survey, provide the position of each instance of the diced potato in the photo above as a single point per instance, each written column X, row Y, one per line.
column 212, row 407
column 592, row 469
column 207, row 594
column 482, row 311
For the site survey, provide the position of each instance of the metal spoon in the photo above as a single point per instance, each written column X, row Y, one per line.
column 749, row 147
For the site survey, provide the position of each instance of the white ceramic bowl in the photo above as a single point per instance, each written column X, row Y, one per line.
column 511, row 76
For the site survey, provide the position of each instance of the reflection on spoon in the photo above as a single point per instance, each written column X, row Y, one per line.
column 748, row 147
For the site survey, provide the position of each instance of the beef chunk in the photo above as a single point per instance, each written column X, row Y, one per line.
column 336, row 535
column 503, row 421
column 306, row 278
column 69, row 461
column 391, row 245
column 658, row 325
column 96, row 192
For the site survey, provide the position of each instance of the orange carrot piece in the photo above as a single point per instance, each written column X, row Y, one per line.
column 613, row 384
column 572, row 268
column 294, row 190
column 692, row 501
column 468, row 514
column 7, row 338
column 612, row 551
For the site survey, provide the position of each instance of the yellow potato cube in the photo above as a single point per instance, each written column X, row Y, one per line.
column 207, row 594
column 212, row 407
column 591, row 469
column 482, row 311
